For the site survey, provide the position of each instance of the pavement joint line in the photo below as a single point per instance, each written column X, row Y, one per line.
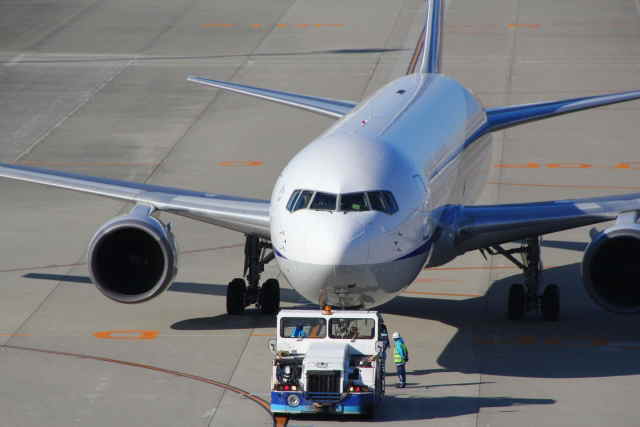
column 51, row 266
column 226, row 387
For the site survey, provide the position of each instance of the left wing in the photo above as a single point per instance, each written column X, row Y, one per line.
column 249, row 216
column 327, row 107
column 477, row 227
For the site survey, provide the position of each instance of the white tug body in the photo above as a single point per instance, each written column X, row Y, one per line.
column 328, row 362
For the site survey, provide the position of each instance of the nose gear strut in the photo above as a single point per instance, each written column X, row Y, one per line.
column 257, row 253
column 526, row 297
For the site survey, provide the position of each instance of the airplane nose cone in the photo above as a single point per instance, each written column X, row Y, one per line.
column 341, row 243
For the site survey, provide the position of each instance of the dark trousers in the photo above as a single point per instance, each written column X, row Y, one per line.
column 402, row 373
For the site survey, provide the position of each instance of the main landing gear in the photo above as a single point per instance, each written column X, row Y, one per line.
column 526, row 297
column 257, row 253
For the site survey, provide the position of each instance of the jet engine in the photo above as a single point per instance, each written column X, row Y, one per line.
column 611, row 266
column 133, row 258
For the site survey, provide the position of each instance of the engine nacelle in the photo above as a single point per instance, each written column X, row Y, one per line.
column 133, row 258
column 611, row 267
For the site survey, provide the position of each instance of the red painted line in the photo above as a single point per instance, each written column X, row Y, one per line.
column 263, row 403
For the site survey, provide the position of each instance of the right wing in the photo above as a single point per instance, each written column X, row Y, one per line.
column 479, row 227
column 327, row 107
column 248, row 216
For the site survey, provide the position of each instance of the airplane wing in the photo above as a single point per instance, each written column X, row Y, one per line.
column 248, row 216
column 324, row 106
column 504, row 117
column 478, row 227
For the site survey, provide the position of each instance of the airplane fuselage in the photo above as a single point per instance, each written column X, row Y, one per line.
column 413, row 139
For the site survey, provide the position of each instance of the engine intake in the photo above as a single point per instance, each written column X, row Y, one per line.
column 611, row 269
column 133, row 258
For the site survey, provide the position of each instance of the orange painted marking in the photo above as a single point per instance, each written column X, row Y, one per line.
column 526, row 340
column 129, row 334
column 329, row 25
column 530, row 165
column 442, row 294
column 261, row 335
column 569, row 166
column 552, row 341
column 530, row 26
column 281, row 25
column 256, row 25
column 582, row 187
column 240, row 163
column 217, row 25
column 599, row 342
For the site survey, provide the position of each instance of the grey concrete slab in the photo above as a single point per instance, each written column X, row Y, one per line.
column 99, row 88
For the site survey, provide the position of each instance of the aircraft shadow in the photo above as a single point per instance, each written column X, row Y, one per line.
column 406, row 408
column 253, row 319
column 582, row 344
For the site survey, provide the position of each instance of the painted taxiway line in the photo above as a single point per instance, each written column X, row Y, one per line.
column 259, row 401
column 581, row 187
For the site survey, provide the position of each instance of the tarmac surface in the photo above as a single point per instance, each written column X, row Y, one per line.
column 98, row 87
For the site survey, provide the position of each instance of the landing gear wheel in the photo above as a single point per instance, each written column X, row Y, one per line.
column 517, row 302
column 551, row 303
column 235, row 296
column 269, row 298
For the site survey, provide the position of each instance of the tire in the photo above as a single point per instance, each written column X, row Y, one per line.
column 551, row 303
column 517, row 302
column 269, row 297
column 235, row 296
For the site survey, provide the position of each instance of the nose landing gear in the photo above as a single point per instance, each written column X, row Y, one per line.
column 257, row 253
column 526, row 297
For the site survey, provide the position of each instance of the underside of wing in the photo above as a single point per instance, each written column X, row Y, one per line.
column 324, row 106
column 248, row 216
column 478, row 227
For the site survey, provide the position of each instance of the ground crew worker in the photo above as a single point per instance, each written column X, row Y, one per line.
column 400, row 358
column 298, row 332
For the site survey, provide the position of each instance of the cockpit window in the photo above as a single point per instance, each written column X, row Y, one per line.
column 292, row 200
column 324, row 202
column 382, row 201
column 303, row 200
column 354, row 202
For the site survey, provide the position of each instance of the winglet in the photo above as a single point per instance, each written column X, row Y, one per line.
column 325, row 106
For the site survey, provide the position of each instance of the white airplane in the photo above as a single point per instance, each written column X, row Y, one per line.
column 383, row 193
